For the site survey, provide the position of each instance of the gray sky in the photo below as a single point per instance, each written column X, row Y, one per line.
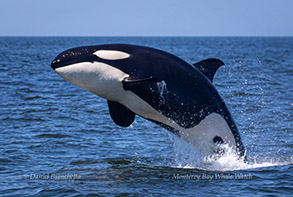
column 146, row 18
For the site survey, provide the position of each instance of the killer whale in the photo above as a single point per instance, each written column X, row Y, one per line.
column 157, row 86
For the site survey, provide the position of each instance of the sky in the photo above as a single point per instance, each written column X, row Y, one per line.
column 146, row 17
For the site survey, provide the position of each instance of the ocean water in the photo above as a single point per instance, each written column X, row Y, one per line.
column 58, row 139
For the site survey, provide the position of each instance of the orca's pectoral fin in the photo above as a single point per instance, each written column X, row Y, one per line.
column 129, row 84
column 120, row 114
column 209, row 67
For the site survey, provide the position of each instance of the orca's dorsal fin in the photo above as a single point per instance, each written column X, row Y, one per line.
column 209, row 67
column 129, row 84
column 120, row 114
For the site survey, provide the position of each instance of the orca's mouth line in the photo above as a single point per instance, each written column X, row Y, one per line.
column 59, row 62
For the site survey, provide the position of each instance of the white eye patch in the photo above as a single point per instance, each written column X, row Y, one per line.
column 111, row 54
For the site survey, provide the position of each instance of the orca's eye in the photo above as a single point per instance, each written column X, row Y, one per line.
column 218, row 140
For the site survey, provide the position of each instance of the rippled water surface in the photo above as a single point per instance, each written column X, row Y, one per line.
column 57, row 139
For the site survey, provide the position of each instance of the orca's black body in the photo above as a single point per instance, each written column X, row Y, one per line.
column 182, row 92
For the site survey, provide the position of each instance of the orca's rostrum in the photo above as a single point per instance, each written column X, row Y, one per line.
column 157, row 86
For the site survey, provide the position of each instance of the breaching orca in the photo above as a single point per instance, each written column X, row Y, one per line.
column 157, row 86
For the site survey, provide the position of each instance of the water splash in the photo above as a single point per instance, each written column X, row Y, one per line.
column 189, row 157
column 162, row 88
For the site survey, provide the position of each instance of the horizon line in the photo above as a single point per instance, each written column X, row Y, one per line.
column 154, row 36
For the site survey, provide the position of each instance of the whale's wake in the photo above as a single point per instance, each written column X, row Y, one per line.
column 188, row 157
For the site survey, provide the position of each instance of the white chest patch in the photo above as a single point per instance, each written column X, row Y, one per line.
column 111, row 54
column 98, row 78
